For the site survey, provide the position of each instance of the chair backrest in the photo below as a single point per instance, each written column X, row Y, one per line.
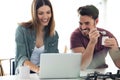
column 1, row 69
column 12, row 66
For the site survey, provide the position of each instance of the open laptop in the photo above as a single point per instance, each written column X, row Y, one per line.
column 60, row 65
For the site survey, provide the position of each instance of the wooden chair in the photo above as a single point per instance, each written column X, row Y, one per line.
column 12, row 66
column 1, row 69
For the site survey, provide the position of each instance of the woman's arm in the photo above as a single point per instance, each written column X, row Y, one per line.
column 31, row 66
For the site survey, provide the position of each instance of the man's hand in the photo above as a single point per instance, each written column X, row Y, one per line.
column 93, row 35
column 112, row 43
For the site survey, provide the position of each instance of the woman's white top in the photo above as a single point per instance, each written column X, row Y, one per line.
column 35, row 57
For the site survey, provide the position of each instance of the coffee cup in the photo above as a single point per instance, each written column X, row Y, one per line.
column 103, row 39
column 23, row 72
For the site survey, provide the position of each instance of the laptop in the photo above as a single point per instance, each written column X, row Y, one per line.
column 60, row 65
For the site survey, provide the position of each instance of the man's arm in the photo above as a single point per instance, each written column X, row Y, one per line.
column 115, row 55
column 87, row 54
column 114, row 50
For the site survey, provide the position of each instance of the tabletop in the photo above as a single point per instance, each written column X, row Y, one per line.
column 82, row 74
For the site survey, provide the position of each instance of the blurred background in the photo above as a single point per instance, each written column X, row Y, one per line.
column 66, row 18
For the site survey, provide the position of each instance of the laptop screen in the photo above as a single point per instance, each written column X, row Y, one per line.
column 62, row 65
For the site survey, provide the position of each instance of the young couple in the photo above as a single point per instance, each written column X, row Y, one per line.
column 39, row 36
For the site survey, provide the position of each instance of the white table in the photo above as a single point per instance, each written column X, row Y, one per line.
column 14, row 77
column 82, row 73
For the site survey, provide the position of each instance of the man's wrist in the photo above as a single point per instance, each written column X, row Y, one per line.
column 115, row 53
column 115, row 49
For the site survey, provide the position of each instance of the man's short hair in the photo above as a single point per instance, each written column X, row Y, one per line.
column 89, row 10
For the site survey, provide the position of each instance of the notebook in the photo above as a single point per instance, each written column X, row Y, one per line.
column 60, row 65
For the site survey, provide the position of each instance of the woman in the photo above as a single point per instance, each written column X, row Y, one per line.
column 36, row 36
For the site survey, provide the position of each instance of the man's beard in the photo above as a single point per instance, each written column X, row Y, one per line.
column 85, row 31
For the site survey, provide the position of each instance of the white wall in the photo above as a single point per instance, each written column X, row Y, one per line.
column 113, row 16
column 12, row 12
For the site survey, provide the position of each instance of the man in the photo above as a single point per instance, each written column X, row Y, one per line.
column 87, row 39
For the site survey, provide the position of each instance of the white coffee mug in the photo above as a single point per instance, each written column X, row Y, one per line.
column 103, row 39
column 23, row 72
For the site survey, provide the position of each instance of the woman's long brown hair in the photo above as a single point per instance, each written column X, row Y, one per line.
column 34, row 22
